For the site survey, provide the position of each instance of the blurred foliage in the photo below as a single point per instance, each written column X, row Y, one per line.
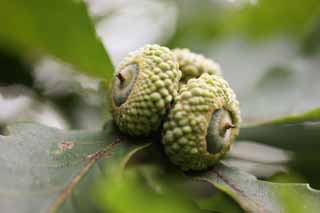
column 300, row 138
column 264, row 18
column 197, row 24
column 265, row 87
column 293, row 201
column 279, row 90
column 129, row 193
column 220, row 202
column 60, row 28
column 297, row 133
column 246, row 156
column 311, row 41
column 211, row 21
column 14, row 69
column 125, row 25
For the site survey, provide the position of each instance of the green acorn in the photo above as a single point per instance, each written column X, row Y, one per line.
column 202, row 124
column 193, row 65
column 144, row 85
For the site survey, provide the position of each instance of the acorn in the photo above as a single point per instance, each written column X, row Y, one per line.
column 143, row 88
column 193, row 65
column 202, row 123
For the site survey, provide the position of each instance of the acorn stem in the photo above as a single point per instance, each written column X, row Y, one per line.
column 121, row 77
column 229, row 126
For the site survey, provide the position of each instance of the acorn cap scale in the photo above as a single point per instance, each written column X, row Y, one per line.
column 144, row 85
column 193, row 65
column 202, row 123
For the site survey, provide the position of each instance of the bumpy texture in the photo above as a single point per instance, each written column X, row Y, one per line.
column 192, row 65
column 138, row 107
column 185, row 131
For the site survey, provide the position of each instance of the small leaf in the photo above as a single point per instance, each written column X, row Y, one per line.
column 56, row 27
column 43, row 168
column 254, row 195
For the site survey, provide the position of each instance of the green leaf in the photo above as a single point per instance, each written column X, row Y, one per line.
column 43, row 168
column 312, row 115
column 61, row 28
column 261, row 196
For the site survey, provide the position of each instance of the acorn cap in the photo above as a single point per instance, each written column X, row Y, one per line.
column 202, row 124
column 193, row 65
column 144, row 85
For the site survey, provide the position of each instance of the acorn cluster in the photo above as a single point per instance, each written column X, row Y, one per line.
column 182, row 94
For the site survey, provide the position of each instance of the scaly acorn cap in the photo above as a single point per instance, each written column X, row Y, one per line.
column 144, row 85
column 193, row 65
column 202, row 124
